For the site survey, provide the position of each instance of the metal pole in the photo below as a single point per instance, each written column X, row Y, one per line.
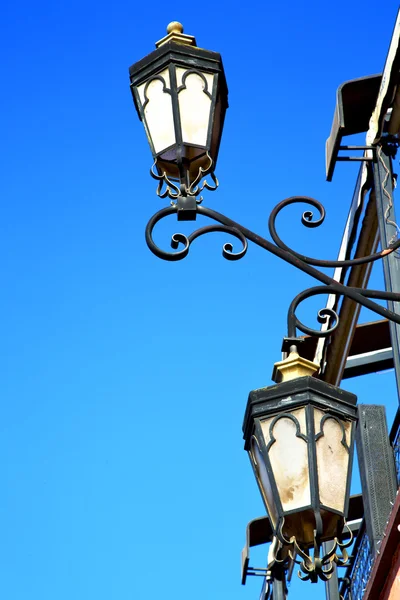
column 335, row 353
column 332, row 585
column 278, row 584
column 388, row 230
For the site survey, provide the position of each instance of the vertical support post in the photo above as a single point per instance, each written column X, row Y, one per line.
column 388, row 232
column 377, row 470
column 278, row 584
column 332, row 585
column 332, row 356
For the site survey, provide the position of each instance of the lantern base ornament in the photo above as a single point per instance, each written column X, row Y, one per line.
column 312, row 566
column 186, row 186
column 300, row 437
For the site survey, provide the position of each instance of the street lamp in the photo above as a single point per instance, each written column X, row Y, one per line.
column 180, row 94
column 299, row 433
column 300, row 437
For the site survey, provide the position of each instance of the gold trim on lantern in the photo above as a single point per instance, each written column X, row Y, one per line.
column 175, row 34
column 292, row 367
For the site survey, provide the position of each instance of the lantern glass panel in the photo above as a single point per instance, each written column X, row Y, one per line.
column 264, row 482
column 288, row 454
column 157, row 107
column 194, row 94
column 332, row 449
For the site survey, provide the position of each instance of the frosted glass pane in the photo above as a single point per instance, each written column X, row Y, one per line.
column 194, row 106
column 289, row 460
column 332, row 460
column 159, row 120
column 264, row 482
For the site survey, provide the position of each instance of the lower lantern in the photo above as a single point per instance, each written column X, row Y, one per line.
column 300, row 437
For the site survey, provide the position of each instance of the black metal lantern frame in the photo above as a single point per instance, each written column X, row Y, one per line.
column 306, row 526
column 180, row 166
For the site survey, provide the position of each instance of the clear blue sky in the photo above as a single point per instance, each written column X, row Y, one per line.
column 124, row 378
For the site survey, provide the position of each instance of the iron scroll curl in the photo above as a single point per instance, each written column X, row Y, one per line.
column 186, row 241
column 325, row 315
column 307, row 220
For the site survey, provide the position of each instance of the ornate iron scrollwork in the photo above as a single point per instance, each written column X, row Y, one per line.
column 174, row 190
column 314, row 566
column 279, row 248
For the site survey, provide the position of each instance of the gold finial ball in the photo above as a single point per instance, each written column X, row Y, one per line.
column 175, row 27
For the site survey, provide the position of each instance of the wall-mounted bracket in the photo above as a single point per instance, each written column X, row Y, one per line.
column 355, row 101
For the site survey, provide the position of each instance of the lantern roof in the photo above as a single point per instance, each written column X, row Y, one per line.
column 296, row 392
column 169, row 49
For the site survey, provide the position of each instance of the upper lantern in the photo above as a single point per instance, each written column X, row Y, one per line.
column 180, row 94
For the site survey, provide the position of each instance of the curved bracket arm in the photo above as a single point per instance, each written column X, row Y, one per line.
column 281, row 250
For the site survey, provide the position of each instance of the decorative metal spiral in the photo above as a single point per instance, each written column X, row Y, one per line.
column 307, row 221
column 325, row 315
column 186, row 241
